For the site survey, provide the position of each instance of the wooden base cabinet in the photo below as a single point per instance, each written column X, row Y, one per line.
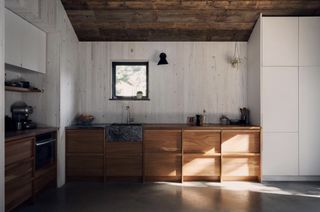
column 162, row 155
column 240, row 157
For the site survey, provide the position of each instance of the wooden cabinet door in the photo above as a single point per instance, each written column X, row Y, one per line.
column 85, row 166
column 240, row 141
column 162, row 155
column 206, row 142
column 124, row 160
column 280, row 41
column 19, row 150
column 309, row 41
column 85, row 141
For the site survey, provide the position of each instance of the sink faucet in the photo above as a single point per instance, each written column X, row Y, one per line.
column 128, row 114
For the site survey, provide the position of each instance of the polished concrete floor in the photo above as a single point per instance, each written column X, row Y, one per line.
column 195, row 196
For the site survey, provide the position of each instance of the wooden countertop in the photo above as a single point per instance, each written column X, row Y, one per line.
column 205, row 127
column 14, row 135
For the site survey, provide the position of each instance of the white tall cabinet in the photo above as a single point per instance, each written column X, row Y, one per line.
column 289, row 95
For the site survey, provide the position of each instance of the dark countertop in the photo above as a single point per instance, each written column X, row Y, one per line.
column 177, row 126
column 9, row 136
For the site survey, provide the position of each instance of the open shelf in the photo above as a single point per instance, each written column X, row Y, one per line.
column 22, row 90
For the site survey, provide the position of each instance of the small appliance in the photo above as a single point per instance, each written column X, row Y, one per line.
column 20, row 116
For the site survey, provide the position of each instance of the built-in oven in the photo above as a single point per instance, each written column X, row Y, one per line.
column 45, row 150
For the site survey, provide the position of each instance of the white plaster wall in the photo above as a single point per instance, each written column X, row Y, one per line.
column 199, row 76
column 2, row 105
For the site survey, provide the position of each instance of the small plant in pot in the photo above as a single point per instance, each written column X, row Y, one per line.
column 139, row 95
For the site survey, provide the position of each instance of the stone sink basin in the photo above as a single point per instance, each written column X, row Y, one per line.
column 121, row 132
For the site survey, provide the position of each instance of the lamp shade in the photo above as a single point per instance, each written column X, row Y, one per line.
column 163, row 60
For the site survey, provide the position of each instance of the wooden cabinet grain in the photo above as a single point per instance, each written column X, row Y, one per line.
column 162, row 155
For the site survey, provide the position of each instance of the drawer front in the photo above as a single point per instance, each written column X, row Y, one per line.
column 205, row 142
column 124, row 166
column 162, row 141
column 18, row 191
column 85, row 166
column 41, row 182
column 162, row 164
column 85, row 141
column 19, row 169
column 125, row 148
column 240, row 142
column 195, row 165
column 19, row 150
column 241, row 166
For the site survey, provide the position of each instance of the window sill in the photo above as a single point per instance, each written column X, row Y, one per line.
column 129, row 99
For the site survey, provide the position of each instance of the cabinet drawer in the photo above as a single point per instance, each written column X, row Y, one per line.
column 162, row 141
column 43, row 180
column 19, row 150
column 85, row 141
column 201, row 141
column 18, row 191
column 19, row 169
column 162, row 164
column 123, row 148
column 241, row 166
column 240, row 141
column 85, row 166
column 200, row 166
column 124, row 166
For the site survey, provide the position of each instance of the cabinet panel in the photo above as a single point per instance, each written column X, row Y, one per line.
column 123, row 149
column 124, row 166
column 85, row 166
column 162, row 141
column 280, row 154
column 280, row 99
column 13, row 38
column 33, row 48
column 201, row 141
column 19, row 150
column 200, row 166
column 309, row 133
column 309, row 41
column 240, row 166
column 160, row 166
column 85, row 141
column 280, row 41
column 240, row 141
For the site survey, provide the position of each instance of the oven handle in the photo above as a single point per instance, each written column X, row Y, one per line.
column 46, row 142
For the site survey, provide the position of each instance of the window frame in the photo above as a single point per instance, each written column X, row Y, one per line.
column 129, row 98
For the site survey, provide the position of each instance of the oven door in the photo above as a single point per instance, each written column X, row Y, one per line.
column 44, row 153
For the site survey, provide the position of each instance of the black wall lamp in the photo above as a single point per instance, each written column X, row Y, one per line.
column 163, row 60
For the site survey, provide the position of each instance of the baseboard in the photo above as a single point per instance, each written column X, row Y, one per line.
column 290, row 178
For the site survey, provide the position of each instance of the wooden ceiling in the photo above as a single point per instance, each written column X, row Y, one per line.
column 176, row 20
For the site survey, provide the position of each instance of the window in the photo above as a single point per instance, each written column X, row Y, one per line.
column 130, row 81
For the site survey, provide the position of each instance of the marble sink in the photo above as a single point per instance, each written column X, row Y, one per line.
column 122, row 132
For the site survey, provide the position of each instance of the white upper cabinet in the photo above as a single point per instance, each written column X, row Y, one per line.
column 25, row 44
column 309, row 41
column 13, row 38
column 280, row 41
column 280, row 154
column 309, row 120
column 280, row 102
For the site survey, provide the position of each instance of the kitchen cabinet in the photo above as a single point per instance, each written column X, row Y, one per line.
column 25, row 44
column 280, row 41
column 19, row 162
column 162, row 155
column 280, row 154
column 123, row 161
column 85, row 150
column 201, row 155
column 280, row 103
column 309, row 41
column 240, row 155
column 309, row 122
